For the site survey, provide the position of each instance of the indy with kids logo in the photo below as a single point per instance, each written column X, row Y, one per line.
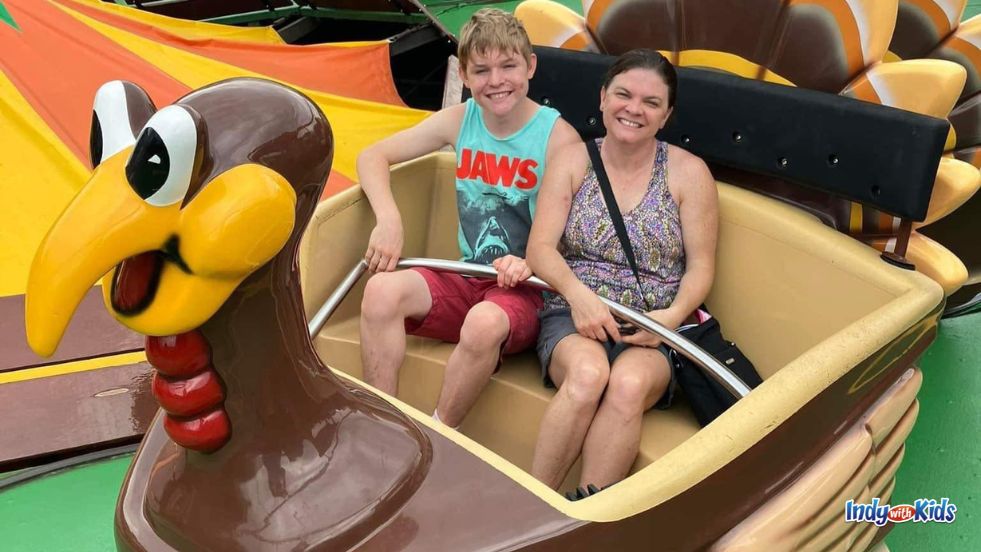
column 923, row 510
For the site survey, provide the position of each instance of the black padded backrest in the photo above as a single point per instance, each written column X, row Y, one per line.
column 878, row 156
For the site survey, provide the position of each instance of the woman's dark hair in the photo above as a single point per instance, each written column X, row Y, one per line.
column 645, row 58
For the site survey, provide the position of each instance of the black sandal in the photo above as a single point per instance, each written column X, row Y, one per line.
column 580, row 494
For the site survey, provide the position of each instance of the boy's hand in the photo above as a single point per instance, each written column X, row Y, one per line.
column 384, row 247
column 511, row 271
column 592, row 317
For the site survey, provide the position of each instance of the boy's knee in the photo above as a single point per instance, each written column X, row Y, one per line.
column 485, row 327
column 382, row 297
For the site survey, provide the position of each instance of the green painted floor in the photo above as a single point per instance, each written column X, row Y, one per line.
column 943, row 454
column 71, row 511
column 68, row 511
column 454, row 14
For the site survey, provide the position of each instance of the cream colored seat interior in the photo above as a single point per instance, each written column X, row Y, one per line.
column 802, row 301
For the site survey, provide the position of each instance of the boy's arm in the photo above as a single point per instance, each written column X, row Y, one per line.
column 374, row 162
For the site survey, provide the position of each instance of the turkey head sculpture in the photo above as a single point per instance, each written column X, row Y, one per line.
column 192, row 218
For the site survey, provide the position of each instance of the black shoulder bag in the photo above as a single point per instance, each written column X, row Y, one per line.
column 706, row 396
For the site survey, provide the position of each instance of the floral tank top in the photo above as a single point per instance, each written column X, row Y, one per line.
column 593, row 251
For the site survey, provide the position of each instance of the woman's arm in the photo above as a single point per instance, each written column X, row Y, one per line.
column 698, row 201
column 700, row 232
column 563, row 175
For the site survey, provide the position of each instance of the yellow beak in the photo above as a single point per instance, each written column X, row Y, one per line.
column 237, row 223
column 103, row 224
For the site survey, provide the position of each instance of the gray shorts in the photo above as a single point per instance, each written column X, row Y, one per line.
column 556, row 324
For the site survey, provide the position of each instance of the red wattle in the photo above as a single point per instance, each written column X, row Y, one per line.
column 205, row 433
column 187, row 397
column 179, row 356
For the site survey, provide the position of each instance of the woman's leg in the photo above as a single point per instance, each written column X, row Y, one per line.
column 637, row 380
column 580, row 369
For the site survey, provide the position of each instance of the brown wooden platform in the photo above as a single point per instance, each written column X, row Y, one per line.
column 48, row 418
column 91, row 333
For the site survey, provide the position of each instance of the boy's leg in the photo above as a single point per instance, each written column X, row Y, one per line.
column 472, row 362
column 389, row 298
column 505, row 321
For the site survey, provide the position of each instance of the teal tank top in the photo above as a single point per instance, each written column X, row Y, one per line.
column 497, row 182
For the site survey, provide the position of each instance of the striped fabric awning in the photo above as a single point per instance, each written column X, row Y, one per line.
column 56, row 53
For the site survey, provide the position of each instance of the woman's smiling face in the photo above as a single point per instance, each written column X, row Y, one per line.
column 635, row 105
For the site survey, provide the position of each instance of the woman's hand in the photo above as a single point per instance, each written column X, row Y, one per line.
column 384, row 247
column 592, row 317
column 511, row 271
column 666, row 317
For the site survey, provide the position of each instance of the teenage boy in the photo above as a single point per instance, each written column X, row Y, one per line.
column 502, row 139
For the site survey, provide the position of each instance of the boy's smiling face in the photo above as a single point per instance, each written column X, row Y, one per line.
column 498, row 80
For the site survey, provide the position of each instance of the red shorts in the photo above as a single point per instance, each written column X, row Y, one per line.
column 454, row 296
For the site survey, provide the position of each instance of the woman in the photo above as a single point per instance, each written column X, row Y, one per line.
column 607, row 380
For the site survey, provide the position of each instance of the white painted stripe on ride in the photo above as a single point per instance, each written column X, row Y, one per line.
column 952, row 9
column 891, row 245
column 862, row 22
column 881, row 89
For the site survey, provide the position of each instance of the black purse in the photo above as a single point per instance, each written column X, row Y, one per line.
column 707, row 397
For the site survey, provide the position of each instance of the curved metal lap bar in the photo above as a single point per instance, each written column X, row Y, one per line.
column 705, row 361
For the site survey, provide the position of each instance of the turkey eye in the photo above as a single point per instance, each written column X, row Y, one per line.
column 110, row 132
column 149, row 165
column 95, row 140
column 162, row 163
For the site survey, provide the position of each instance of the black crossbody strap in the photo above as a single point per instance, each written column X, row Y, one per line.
column 611, row 206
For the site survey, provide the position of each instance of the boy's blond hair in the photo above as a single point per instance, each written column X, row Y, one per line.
column 492, row 29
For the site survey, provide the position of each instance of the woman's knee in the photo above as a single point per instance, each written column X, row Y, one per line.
column 585, row 380
column 485, row 327
column 632, row 391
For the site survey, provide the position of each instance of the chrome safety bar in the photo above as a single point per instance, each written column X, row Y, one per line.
column 705, row 361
